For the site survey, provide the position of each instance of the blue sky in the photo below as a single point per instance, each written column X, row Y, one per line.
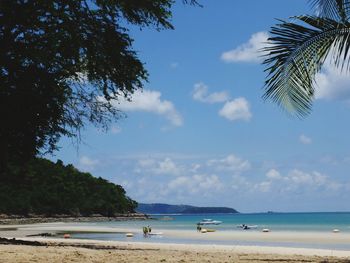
column 200, row 133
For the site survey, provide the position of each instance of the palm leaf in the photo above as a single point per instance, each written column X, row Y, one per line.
column 333, row 9
column 296, row 52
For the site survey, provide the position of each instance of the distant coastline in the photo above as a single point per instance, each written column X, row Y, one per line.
column 166, row 209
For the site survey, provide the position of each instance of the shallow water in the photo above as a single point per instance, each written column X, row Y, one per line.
column 291, row 222
column 308, row 222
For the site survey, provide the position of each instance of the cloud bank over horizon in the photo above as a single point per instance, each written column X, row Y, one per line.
column 207, row 180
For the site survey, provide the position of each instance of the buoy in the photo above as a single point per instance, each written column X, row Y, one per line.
column 66, row 236
column 203, row 230
column 129, row 234
column 336, row 230
column 266, row 230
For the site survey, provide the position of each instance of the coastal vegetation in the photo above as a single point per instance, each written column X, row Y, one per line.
column 63, row 64
column 298, row 49
column 48, row 189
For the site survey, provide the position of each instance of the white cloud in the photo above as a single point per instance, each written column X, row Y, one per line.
column 167, row 166
column 195, row 167
column 183, row 180
column 200, row 93
column 295, row 181
column 150, row 101
column 332, row 83
column 247, row 52
column 230, row 163
column 87, row 163
column 273, row 174
column 195, row 184
column 264, row 186
column 237, row 109
column 146, row 162
column 304, row 139
column 154, row 167
column 301, row 177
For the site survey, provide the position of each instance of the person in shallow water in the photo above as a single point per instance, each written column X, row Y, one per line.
column 145, row 231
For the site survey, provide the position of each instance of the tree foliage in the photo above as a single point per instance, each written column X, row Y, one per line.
column 52, row 188
column 297, row 50
column 62, row 64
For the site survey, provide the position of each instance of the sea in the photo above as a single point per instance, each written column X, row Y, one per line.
column 291, row 222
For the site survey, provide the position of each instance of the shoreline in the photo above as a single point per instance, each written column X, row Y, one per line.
column 236, row 235
column 38, row 219
column 56, row 249
column 288, row 239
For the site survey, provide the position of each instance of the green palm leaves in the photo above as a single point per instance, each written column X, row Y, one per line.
column 297, row 50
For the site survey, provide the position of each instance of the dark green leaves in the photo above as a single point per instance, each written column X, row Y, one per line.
column 46, row 47
column 296, row 52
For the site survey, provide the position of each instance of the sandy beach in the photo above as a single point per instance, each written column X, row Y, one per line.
column 158, row 253
column 82, row 250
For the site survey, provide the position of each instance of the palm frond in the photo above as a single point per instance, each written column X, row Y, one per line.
column 333, row 9
column 296, row 52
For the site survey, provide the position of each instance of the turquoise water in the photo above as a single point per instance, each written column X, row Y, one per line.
column 320, row 222
column 304, row 222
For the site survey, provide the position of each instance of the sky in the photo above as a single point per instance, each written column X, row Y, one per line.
column 200, row 132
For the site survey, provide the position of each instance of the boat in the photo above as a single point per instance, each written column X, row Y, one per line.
column 155, row 233
column 209, row 222
column 246, row 227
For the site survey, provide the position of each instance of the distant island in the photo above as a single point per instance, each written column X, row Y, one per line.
column 182, row 209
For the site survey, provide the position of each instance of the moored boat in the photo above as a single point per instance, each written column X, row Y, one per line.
column 209, row 222
column 246, row 227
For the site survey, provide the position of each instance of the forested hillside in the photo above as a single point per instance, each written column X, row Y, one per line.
column 48, row 188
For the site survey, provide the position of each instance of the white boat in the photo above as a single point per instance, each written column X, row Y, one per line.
column 209, row 222
column 246, row 227
column 155, row 234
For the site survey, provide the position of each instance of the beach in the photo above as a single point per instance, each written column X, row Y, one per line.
column 80, row 231
column 56, row 252
column 57, row 249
